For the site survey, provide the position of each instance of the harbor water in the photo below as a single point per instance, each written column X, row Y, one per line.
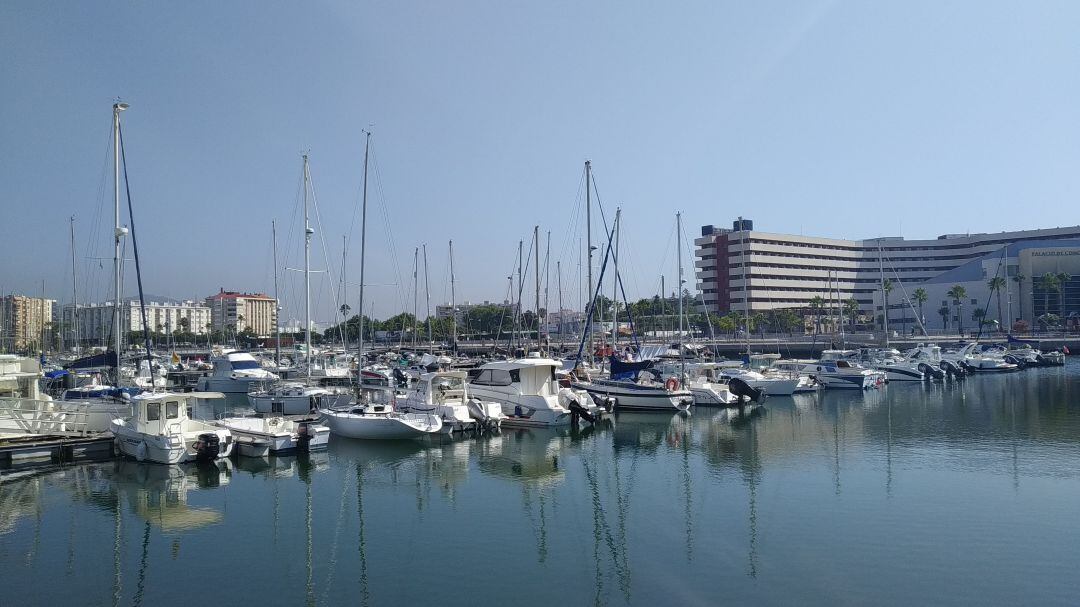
column 963, row 493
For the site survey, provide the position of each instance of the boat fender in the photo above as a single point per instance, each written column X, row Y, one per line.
column 672, row 384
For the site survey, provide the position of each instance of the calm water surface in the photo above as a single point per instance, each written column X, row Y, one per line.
column 965, row 494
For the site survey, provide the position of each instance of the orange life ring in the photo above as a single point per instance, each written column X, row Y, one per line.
column 672, row 384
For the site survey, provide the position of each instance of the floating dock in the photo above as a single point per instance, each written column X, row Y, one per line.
column 22, row 450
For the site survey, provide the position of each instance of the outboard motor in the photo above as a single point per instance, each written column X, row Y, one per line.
column 740, row 388
column 952, row 369
column 577, row 411
column 400, row 378
column 606, row 403
column 930, row 373
column 207, row 447
column 303, row 437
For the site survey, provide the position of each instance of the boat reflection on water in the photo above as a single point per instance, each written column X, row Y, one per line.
column 159, row 494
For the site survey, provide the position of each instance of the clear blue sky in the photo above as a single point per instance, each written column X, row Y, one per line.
column 847, row 119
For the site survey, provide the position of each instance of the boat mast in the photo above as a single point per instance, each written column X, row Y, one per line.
column 343, row 330
column 746, row 282
column 547, row 287
column 118, row 233
column 363, row 244
column 74, row 291
column 521, row 288
column 277, row 300
column 427, row 305
column 536, row 273
column 415, row 322
column 839, row 308
column 615, row 287
column 663, row 306
column 308, row 231
column 588, row 247
column 682, row 359
column 558, row 272
column 884, row 304
column 453, row 300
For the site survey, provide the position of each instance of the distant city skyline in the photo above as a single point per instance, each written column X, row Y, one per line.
column 826, row 119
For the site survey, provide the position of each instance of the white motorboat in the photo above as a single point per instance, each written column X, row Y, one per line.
column 834, row 371
column 279, row 434
column 236, row 372
column 160, row 430
column 444, row 393
column 380, row 422
column 290, row 398
column 703, row 381
column 770, row 385
column 969, row 357
column 528, row 392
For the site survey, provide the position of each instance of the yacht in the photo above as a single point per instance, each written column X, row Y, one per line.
column 642, row 388
column 705, row 382
column 969, row 357
column 526, row 389
column 258, row 436
column 236, row 372
column 289, row 398
column 160, row 430
column 444, row 393
column 834, row 370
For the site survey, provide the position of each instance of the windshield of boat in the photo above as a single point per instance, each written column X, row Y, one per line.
column 244, row 364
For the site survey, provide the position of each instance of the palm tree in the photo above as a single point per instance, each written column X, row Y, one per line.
column 996, row 284
column 920, row 297
column 1019, row 280
column 957, row 294
column 944, row 312
column 886, row 288
column 1063, row 279
column 1048, row 282
column 978, row 315
column 816, row 304
column 851, row 308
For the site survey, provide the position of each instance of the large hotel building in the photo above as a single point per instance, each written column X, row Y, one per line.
column 742, row 266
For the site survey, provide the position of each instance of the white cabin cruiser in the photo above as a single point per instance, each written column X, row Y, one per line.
column 444, row 393
column 236, row 372
column 289, row 398
column 380, row 422
column 969, row 357
column 160, row 430
column 526, row 389
column 275, row 434
column 834, row 371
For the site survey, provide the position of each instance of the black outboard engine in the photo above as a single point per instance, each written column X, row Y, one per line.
column 303, row 437
column 577, row 411
column 952, row 369
column 930, row 372
column 740, row 388
column 400, row 378
column 207, row 447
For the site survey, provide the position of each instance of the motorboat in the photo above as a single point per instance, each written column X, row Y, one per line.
column 236, row 372
column 971, row 358
column 444, row 393
column 833, row 370
column 894, row 365
column 526, row 389
column 704, row 381
column 275, row 434
column 289, row 398
column 380, row 421
column 638, row 388
column 161, row 431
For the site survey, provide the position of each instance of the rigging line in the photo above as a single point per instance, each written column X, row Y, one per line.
column 322, row 237
column 93, row 240
column 402, row 300
column 287, row 285
column 568, row 243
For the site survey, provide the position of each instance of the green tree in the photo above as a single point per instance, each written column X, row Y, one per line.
column 920, row 297
column 944, row 312
column 978, row 315
column 851, row 310
column 886, row 289
column 996, row 284
column 817, row 304
column 1047, row 282
column 1019, row 279
column 727, row 324
column 957, row 294
column 1063, row 279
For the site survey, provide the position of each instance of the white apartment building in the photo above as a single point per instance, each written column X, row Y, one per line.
column 741, row 267
column 235, row 311
column 94, row 321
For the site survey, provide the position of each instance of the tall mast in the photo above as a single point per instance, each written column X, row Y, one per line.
column 547, row 286
column 277, row 300
column 521, row 288
column 678, row 255
column 344, row 330
column 118, row 233
column 363, row 245
column 415, row 323
column 308, row 231
column 588, row 245
column 427, row 304
column 74, row 291
column 453, row 300
column 663, row 303
column 615, row 287
column 745, row 279
column 558, row 272
column 536, row 273
column 884, row 303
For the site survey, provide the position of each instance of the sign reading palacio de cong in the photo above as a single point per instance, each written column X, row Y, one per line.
column 1055, row 253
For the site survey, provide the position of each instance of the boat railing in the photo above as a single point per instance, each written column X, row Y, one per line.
column 35, row 416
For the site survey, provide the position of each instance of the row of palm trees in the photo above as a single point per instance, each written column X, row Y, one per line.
column 1048, row 283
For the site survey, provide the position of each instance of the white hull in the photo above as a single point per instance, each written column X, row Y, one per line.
column 285, row 439
column 774, row 387
column 708, row 397
column 381, row 426
column 168, row 448
column 632, row 396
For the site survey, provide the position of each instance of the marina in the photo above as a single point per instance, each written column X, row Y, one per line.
column 969, row 487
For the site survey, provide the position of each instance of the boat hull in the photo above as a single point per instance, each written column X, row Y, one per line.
column 165, row 449
column 633, row 396
column 381, row 426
